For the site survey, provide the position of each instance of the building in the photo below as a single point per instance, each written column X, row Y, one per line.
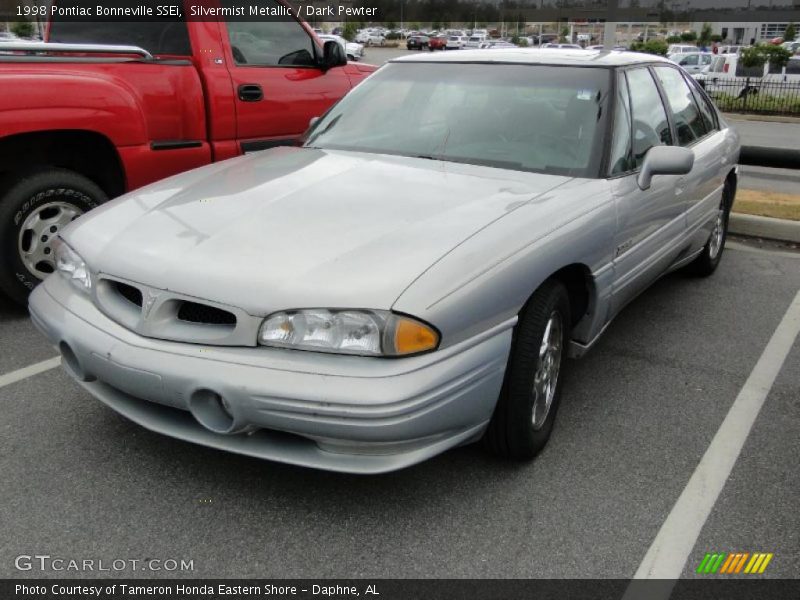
column 744, row 32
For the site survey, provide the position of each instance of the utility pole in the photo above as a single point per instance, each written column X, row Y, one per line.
column 610, row 31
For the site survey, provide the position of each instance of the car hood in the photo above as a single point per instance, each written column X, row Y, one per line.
column 293, row 228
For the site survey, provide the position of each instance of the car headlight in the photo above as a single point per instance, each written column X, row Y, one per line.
column 356, row 331
column 72, row 266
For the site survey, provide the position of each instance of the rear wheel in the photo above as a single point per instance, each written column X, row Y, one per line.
column 708, row 260
column 34, row 208
column 526, row 409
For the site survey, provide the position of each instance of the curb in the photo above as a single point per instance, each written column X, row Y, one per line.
column 781, row 230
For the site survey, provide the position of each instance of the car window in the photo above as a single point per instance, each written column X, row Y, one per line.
column 689, row 124
column 621, row 156
column 165, row 36
column 690, row 60
column 650, row 124
column 705, row 59
column 479, row 114
column 270, row 43
column 706, row 110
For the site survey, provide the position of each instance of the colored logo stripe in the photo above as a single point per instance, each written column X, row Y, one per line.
column 734, row 562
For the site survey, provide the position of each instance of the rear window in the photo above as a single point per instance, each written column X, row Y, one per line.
column 169, row 36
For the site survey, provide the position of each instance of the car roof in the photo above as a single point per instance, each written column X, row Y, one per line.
column 535, row 56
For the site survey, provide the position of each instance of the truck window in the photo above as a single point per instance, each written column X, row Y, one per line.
column 270, row 43
column 169, row 36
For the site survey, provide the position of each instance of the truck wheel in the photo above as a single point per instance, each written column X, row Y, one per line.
column 34, row 207
column 526, row 409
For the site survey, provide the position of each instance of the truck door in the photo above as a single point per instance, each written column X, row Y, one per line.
column 276, row 80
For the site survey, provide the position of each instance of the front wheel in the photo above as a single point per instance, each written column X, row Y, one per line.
column 526, row 408
column 708, row 260
column 34, row 208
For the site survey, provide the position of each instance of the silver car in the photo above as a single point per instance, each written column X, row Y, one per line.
column 410, row 279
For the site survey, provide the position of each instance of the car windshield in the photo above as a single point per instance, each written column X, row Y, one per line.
column 545, row 119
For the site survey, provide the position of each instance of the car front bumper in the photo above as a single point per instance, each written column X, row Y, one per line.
column 340, row 413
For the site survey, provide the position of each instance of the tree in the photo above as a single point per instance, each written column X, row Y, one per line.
column 688, row 36
column 790, row 33
column 564, row 35
column 350, row 31
column 705, row 35
column 23, row 29
column 674, row 39
column 757, row 56
column 654, row 46
column 716, row 38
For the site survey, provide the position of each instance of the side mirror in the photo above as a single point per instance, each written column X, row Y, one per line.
column 665, row 160
column 312, row 121
column 333, row 55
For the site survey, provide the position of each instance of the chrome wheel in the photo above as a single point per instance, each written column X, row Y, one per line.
column 547, row 367
column 37, row 233
column 717, row 236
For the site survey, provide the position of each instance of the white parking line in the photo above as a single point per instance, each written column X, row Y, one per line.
column 29, row 371
column 678, row 535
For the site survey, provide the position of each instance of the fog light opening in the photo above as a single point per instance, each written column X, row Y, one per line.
column 72, row 364
column 212, row 411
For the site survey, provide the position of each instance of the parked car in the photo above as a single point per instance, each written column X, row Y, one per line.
column 681, row 48
column 475, row 41
column 562, row 46
column 438, row 42
column 417, row 42
column 601, row 47
column 455, row 42
column 793, row 47
column 553, row 211
column 7, row 36
column 692, row 62
column 497, row 45
column 128, row 116
column 353, row 50
column 371, row 38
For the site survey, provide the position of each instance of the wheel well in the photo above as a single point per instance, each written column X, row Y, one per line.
column 578, row 280
column 86, row 152
column 734, row 180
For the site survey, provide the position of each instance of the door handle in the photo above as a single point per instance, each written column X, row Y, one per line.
column 250, row 92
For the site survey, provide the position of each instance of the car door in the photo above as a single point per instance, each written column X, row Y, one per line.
column 690, row 62
column 650, row 223
column 703, row 185
column 277, row 83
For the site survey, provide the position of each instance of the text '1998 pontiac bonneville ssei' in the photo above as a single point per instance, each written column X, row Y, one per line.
column 414, row 276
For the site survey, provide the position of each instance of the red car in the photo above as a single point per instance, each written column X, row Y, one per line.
column 438, row 42
column 144, row 100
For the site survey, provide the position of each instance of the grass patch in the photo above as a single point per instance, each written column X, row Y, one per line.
column 768, row 204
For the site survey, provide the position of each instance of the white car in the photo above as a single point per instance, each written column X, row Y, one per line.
column 693, row 62
column 475, row 41
column 353, row 50
column 680, row 49
column 369, row 38
column 456, row 42
column 563, row 46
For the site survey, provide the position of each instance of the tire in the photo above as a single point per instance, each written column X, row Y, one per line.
column 523, row 420
column 57, row 196
column 708, row 260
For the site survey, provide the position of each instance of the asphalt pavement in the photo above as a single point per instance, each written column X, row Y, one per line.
column 638, row 413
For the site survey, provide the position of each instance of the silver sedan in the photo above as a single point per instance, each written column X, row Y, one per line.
column 414, row 275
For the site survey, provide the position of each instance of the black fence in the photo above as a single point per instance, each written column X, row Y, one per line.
column 755, row 95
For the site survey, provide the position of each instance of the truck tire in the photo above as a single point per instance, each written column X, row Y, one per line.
column 34, row 207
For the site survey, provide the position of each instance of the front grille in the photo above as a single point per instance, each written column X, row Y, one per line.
column 130, row 293
column 202, row 313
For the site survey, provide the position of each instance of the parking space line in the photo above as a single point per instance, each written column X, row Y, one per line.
column 29, row 371
column 678, row 535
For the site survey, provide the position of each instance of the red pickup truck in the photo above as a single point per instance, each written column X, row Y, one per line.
column 114, row 106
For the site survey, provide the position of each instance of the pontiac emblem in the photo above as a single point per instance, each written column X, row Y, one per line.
column 150, row 298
